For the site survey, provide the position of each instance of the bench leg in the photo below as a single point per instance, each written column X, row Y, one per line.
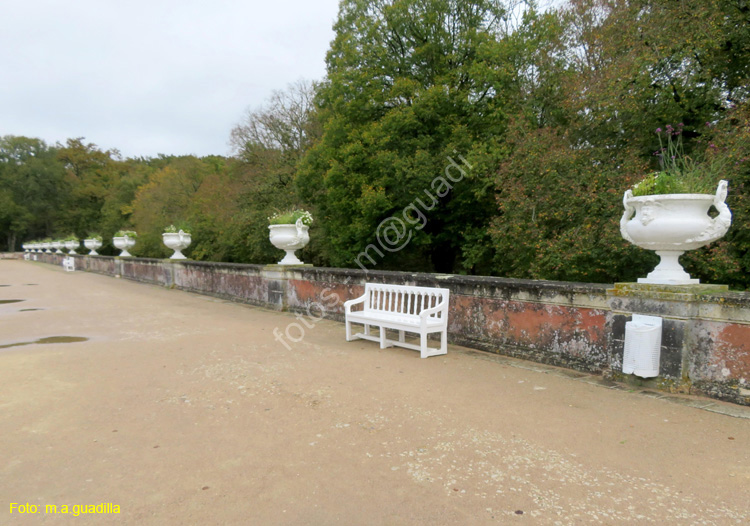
column 382, row 338
column 348, row 325
column 444, row 342
column 423, row 345
column 367, row 329
column 401, row 336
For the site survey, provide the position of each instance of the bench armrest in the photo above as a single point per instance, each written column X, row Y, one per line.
column 348, row 304
column 423, row 315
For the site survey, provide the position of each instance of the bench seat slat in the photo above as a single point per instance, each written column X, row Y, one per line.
column 374, row 317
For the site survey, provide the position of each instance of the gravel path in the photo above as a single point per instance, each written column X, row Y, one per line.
column 183, row 409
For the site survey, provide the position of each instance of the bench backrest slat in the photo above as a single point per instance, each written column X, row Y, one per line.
column 404, row 299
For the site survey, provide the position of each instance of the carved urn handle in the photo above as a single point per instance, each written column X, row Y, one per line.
column 721, row 223
column 300, row 231
column 627, row 215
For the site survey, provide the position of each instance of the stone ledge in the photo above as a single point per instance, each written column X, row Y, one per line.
column 666, row 292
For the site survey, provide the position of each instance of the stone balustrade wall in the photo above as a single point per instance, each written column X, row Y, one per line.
column 705, row 338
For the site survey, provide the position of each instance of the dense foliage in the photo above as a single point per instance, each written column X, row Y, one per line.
column 460, row 136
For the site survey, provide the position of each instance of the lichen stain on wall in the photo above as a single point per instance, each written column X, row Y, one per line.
column 303, row 294
column 556, row 329
column 730, row 357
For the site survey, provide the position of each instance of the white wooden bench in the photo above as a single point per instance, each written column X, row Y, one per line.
column 421, row 310
column 69, row 264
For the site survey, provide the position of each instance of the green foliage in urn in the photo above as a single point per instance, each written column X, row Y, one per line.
column 174, row 229
column 290, row 217
column 681, row 173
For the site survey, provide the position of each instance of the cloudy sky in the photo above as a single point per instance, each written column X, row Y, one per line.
column 153, row 76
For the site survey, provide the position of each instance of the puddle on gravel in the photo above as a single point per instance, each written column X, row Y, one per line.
column 50, row 339
column 4, row 285
column 30, row 284
column 10, row 301
column 27, row 310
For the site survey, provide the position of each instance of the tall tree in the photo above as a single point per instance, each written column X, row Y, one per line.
column 414, row 86
column 31, row 189
column 629, row 67
column 284, row 127
column 93, row 176
column 169, row 197
column 268, row 145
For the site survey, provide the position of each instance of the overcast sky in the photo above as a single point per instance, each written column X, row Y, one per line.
column 152, row 76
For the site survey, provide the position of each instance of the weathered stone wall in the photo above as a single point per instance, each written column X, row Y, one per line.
column 556, row 323
column 705, row 339
column 705, row 336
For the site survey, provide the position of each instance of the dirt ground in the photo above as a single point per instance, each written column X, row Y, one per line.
column 186, row 410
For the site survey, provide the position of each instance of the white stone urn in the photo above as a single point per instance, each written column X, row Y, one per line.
column 71, row 245
column 670, row 224
column 58, row 245
column 289, row 237
column 177, row 241
column 91, row 245
column 124, row 243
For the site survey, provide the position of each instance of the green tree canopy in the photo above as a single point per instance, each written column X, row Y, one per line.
column 32, row 189
column 413, row 87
